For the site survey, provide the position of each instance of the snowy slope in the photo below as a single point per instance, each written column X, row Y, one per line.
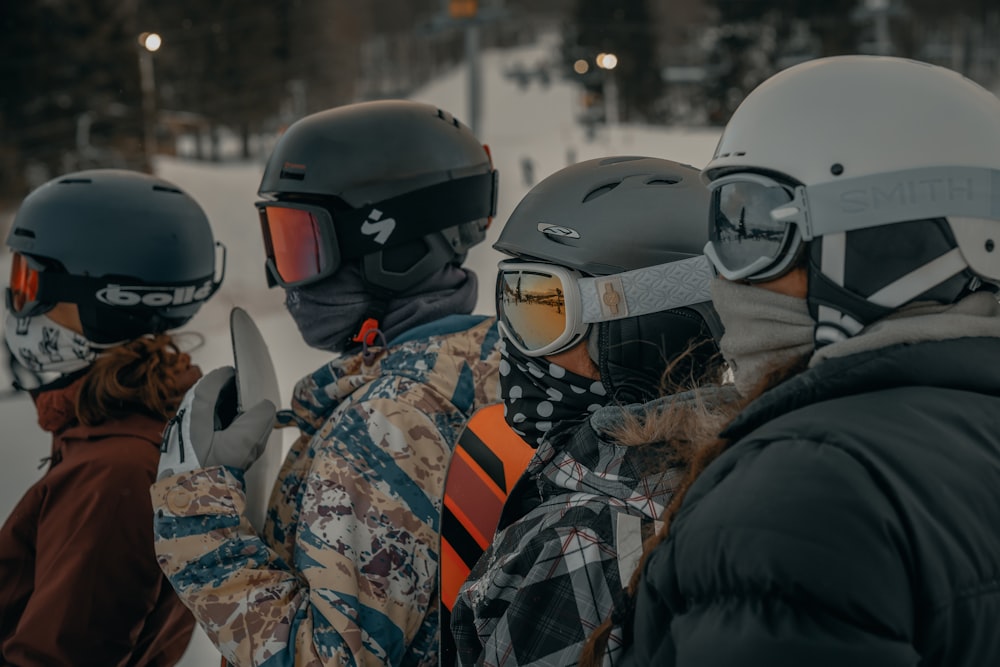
column 535, row 124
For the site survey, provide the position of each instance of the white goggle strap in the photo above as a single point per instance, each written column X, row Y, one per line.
column 831, row 324
column 648, row 290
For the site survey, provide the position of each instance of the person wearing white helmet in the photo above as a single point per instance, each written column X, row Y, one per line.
column 847, row 514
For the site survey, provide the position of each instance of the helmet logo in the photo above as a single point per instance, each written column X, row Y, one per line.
column 382, row 229
column 556, row 230
column 156, row 297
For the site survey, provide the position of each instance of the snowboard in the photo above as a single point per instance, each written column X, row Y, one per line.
column 255, row 381
column 488, row 459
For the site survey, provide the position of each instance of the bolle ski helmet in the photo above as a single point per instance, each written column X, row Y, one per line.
column 611, row 216
column 401, row 186
column 132, row 251
column 878, row 174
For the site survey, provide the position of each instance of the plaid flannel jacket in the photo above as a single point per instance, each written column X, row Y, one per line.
column 566, row 548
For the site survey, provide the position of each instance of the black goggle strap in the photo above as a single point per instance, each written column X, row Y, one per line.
column 64, row 287
column 648, row 290
column 412, row 216
column 833, row 325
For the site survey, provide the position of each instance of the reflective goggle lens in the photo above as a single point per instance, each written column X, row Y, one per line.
column 533, row 307
column 23, row 284
column 293, row 241
column 741, row 230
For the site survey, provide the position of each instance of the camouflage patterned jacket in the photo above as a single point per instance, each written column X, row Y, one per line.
column 346, row 571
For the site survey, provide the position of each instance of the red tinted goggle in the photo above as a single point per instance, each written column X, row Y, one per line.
column 22, row 291
column 306, row 242
column 299, row 241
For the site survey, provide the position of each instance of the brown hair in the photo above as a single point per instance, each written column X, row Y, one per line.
column 695, row 429
column 148, row 375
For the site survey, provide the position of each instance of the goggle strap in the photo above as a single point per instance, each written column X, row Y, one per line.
column 648, row 290
column 414, row 215
column 56, row 287
column 882, row 199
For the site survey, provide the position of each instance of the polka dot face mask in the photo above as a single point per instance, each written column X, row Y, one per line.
column 540, row 396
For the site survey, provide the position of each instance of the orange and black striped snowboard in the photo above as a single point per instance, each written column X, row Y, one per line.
column 488, row 459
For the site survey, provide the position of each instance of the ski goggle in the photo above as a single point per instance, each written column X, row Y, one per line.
column 299, row 242
column 746, row 240
column 758, row 224
column 35, row 289
column 22, row 291
column 545, row 308
column 306, row 242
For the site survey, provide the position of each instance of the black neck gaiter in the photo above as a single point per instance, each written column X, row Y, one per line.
column 540, row 396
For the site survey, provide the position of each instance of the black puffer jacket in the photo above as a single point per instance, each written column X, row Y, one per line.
column 855, row 521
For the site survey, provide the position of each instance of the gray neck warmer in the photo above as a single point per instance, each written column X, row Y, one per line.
column 764, row 330
column 976, row 315
column 330, row 312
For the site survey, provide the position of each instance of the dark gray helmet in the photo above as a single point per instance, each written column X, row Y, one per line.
column 134, row 252
column 409, row 162
column 617, row 214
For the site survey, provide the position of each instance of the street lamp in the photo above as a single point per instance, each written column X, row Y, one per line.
column 608, row 62
column 148, row 43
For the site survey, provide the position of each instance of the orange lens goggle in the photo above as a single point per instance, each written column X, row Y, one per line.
column 22, row 293
column 299, row 243
column 303, row 243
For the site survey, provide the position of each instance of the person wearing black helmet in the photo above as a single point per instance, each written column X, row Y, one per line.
column 367, row 211
column 105, row 263
column 605, row 302
column 848, row 514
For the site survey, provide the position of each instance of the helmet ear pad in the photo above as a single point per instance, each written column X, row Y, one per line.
column 402, row 267
column 634, row 354
column 876, row 257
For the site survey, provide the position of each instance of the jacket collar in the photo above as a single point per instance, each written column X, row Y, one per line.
column 966, row 364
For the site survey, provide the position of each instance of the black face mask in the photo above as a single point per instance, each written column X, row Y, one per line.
column 541, row 397
column 634, row 353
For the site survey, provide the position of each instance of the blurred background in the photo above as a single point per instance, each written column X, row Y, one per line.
column 113, row 82
column 198, row 92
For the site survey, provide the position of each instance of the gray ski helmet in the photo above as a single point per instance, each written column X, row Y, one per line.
column 890, row 166
column 617, row 214
column 413, row 163
column 134, row 252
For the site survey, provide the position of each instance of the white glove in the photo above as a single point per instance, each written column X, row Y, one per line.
column 209, row 431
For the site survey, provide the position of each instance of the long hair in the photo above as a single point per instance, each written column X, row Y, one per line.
column 148, row 375
column 697, row 429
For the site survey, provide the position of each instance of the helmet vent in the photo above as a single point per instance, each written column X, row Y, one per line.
column 603, row 190
column 70, row 181
column 663, row 181
column 164, row 188
column 18, row 231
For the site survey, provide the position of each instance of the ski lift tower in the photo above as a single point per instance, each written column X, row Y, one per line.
column 470, row 15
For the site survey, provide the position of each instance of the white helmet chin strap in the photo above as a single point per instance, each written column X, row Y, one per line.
column 833, row 325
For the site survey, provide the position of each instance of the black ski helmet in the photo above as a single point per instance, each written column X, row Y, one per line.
column 417, row 163
column 617, row 214
column 141, row 249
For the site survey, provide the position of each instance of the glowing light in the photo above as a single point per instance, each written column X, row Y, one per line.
column 581, row 66
column 150, row 41
column 606, row 60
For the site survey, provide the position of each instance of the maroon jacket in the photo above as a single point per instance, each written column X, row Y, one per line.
column 79, row 582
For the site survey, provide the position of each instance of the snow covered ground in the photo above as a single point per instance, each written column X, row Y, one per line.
column 533, row 125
